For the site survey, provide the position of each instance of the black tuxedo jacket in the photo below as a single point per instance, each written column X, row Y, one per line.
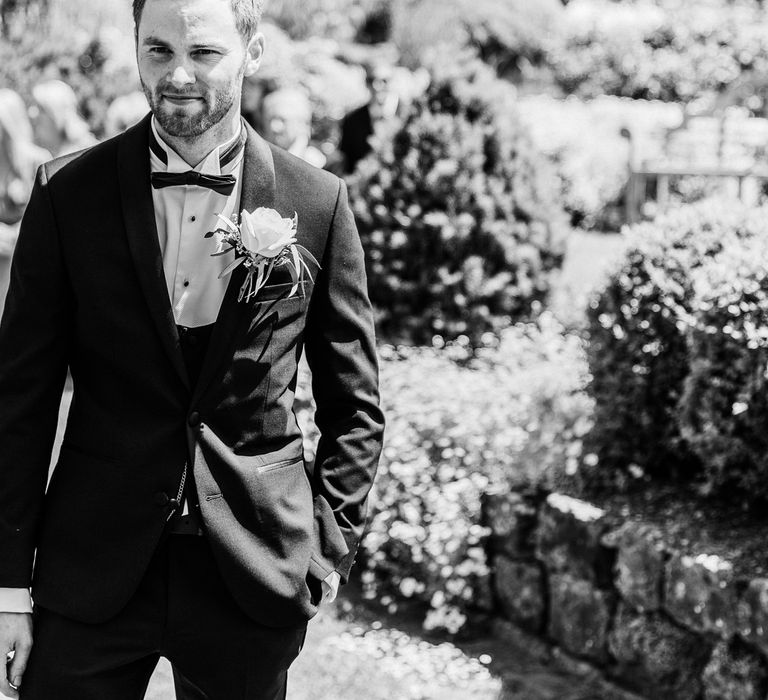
column 87, row 292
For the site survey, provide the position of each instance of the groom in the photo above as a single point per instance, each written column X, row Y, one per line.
column 181, row 519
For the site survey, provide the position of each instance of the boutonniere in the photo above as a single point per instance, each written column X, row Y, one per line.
column 262, row 241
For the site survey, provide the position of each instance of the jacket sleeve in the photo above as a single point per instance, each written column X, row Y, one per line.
column 341, row 352
column 34, row 334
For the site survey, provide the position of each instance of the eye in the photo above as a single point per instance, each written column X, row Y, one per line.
column 206, row 53
column 158, row 50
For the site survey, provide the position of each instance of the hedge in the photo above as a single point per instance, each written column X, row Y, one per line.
column 639, row 329
column 724, row 407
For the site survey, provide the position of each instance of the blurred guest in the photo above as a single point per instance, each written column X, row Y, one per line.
column 358, row 126
column 19, row 159
column 287, row 122
column 125, row 111
column 58, row 125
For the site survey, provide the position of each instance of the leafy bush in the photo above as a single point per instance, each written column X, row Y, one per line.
column 664, row 50
column 458, row 217
column 638, row 355
column 334, row 19
column 724, row 408
column 512, row 417
column 511, row 36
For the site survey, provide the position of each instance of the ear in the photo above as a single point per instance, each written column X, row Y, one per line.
column 255, row 52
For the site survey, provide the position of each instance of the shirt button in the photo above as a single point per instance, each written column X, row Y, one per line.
column 193, row 218
column 194, row 419
column 186, row 283
column 161, row 499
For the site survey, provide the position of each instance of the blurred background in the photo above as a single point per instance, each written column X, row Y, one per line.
column 562, row 208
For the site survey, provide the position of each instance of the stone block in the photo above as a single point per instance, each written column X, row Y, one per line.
column 517, row 639
column 568, row 539
column 655, row 657
column 520, row 592
column 700, row 592
column 512, row 519
column 735, row 672
column 639, row 569
column 752, row 614
column 579, row 615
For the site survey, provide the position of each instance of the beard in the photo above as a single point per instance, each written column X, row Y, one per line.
column 177, row 122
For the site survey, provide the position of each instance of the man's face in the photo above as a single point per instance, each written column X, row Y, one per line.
column 378, row 84
column 192, row 60
column 287, row 122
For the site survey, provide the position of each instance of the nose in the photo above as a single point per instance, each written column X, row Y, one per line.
column 181, row 76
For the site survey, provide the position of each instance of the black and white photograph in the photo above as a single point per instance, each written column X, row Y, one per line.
column 384, row 349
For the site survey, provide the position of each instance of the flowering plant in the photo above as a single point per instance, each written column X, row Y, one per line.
column 262, row 241
column 512, row 417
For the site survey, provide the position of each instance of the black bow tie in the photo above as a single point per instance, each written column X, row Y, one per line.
column 223, row 184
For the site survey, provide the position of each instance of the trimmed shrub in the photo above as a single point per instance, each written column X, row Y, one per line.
column 724, row 407
column 638, row 353
column 457, row 212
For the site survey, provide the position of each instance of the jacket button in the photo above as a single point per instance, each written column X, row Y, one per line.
column 161, row 499
column 194, row 419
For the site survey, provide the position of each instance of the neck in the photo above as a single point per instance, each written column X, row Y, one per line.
column 194, row 149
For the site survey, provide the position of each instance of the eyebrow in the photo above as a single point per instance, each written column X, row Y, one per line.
column 156, row 41
column 209, row 45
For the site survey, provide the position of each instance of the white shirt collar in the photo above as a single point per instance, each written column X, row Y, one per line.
column 209, row 164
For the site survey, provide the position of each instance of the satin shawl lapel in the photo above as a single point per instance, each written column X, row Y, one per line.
column 141, row 228
column 258, row 190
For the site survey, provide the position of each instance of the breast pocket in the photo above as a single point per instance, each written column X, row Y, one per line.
column 274, row 305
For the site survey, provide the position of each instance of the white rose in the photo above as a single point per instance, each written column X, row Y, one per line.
column 265, row 232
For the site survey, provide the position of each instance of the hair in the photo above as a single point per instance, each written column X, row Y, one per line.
column 247, row 15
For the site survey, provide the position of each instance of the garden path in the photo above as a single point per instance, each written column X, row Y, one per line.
column 353, row 653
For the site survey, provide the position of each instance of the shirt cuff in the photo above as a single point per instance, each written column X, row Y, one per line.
column 15, row 600
column 331, row 586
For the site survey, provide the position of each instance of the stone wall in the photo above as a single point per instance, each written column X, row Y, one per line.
column 659, row 622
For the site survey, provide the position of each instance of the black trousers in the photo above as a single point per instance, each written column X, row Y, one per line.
column 182, row 611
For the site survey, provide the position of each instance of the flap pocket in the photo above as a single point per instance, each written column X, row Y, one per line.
column 279, row 292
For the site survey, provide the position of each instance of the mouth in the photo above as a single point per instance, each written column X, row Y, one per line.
column 181, row 100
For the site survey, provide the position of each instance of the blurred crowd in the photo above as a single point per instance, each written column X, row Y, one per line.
column 50, row 125
column 29, row 135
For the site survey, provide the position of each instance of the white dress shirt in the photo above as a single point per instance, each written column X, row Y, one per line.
column 184, row 214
